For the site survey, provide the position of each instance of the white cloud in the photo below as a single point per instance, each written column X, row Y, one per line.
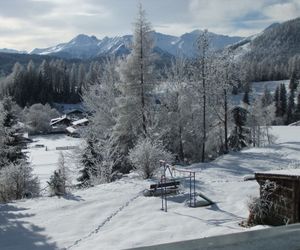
column 283, row 11
column 25, row 24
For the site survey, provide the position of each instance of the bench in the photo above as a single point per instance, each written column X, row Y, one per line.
column 170, row 187
column 165, row 184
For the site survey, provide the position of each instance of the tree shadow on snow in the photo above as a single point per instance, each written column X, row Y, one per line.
column 237, row 164
column 72, row 197
column 17, row 234
column 215, row 207
column 179, row 198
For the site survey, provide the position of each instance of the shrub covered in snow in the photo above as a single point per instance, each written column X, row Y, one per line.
column 58, row 181
column 264, row 210
column 17, row 182
column 38, row 117
column 146, row 154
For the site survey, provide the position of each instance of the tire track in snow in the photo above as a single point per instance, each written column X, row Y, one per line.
column 108, row 219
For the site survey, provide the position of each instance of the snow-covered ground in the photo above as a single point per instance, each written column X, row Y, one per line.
column 44, row 156
column 118, row 216
column 258, row 88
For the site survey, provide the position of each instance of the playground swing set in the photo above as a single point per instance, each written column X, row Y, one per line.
column 169, row 185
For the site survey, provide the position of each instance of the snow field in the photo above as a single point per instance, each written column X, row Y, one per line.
column 45, row 159
column 118, row 216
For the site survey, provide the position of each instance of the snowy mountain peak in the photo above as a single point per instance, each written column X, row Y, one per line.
column 84, row 39
column 13, row 51
column 83, row 46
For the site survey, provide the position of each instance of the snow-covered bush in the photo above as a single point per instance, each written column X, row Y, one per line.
column 146, row 154
column 17, row 182
column 58, row 181
column 38, row 117
column 264, row 210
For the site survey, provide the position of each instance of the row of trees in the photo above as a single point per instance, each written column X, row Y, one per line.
column 287, row 110
column 54, row 81
column 267, row 69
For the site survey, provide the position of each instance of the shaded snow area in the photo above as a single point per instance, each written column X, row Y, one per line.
column 118, row 216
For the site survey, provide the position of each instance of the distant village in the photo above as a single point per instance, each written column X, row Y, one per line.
column 73, row 120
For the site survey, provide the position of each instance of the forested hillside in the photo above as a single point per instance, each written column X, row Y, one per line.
column 273, row 54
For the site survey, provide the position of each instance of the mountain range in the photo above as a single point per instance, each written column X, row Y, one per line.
column 87, row 47
column 270, row 50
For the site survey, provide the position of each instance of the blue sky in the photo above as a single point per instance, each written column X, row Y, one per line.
column 27, row 24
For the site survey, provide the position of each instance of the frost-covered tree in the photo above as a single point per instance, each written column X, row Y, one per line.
column 10, row 148
column 146, row 154
column 100, row 98
column 135, row 105
column 16, row 178
column 267, row 98
column 202, row 73
column 173, row 113
column 100, row 154
column 17, row 182
column 259, row 120
column 225, row 78
column 38, row 117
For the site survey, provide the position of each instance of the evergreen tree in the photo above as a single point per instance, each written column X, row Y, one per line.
column 291, row 107
column 277, row 101
column 81, row 78
column 297, row 108
column 10, row 148
column 239, row 137
column 30, row 92
column 282, row 100
column 293, row 83
column 45, row 79
column 90, row 160
column 246, row 99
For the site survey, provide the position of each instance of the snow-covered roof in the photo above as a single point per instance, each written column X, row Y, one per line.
column 79, row 122
column 286, row 172
column 71, row 130
column 295, row 123
column 57, row 120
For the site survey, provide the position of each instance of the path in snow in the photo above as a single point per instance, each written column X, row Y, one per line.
column 108, row 219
